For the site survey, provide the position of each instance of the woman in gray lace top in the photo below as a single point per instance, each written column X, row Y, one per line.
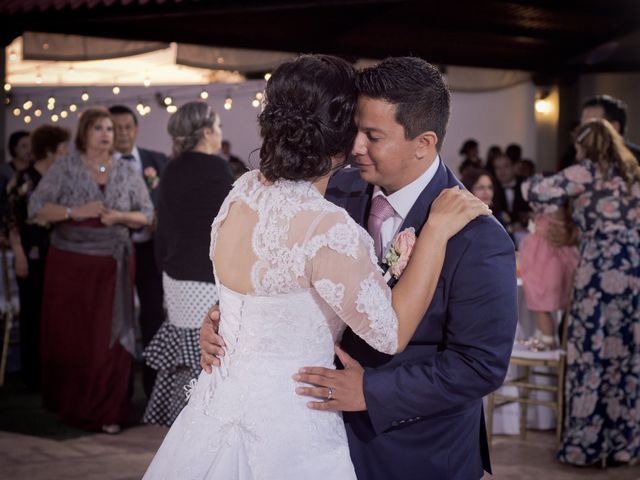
column 92, row 200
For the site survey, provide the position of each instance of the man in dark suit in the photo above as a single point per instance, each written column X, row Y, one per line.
column 612, row 109
column 509, row 195
column 417, row 414
column 148, row 277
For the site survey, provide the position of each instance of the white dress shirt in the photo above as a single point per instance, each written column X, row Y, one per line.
column 402, row 201
column 137, row 162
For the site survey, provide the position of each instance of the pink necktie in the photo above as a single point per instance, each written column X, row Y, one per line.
column 381, row 210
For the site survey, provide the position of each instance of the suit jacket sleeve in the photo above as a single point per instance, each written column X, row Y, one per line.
column 481, row 316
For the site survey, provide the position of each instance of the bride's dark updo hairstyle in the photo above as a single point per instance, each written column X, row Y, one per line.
column 307, row 117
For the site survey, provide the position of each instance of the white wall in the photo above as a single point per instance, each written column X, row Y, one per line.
column 498, row 117
column 239, row 124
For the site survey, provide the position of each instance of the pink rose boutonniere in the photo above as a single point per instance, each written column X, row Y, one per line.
column 151, row 177
column 397, row 257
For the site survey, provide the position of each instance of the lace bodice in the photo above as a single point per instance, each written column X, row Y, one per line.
column 304, row 242
column 307, row 270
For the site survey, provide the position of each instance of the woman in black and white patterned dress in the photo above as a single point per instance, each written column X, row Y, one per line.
column 193, row 187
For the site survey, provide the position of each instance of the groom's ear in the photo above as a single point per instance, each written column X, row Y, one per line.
column 426, row 143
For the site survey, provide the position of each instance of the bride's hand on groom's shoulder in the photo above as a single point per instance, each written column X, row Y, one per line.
column 211, row 344
column 453, row 209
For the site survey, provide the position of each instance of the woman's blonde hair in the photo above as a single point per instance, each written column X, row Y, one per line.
column 604, row 146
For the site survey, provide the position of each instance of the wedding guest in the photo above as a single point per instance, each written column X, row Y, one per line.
column 493, row 152
column 524, row 168
column 150, row 165
column 603, row 351
column 547, row 272
column 470, row 156
column 194, row 186
column 92, row 199
column 509, row 194
column 237, row 166
column 612, row 109
column 483, row 185
column 20, row 151
column 29, row 244
column 514, row 152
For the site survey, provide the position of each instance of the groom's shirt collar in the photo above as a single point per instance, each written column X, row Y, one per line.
column 403, row 199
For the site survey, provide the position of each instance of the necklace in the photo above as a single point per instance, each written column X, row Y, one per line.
column 102, row 167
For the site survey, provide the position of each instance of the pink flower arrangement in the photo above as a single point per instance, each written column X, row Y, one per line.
column 400, row 251
column 151, row 177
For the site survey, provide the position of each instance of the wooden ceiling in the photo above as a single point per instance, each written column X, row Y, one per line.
column 545, row 36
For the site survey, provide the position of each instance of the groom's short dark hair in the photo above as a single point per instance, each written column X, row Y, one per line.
column 416, row 88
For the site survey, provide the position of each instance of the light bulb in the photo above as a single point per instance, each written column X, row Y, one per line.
column 543, row 106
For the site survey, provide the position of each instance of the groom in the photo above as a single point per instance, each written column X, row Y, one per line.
column 417, row 414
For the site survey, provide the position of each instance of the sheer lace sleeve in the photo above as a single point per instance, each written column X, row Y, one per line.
column 345, row 274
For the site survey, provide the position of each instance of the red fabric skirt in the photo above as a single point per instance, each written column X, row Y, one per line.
column 84, row 379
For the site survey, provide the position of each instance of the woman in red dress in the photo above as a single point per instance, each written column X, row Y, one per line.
column 92, row 200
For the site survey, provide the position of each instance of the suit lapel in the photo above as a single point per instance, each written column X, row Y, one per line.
column 419, row 213
column 144, row 158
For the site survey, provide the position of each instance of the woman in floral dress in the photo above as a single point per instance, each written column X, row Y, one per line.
column 602, row 416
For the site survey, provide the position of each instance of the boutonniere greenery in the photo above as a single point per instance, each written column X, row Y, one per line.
column 151, row 177
column 397, row 257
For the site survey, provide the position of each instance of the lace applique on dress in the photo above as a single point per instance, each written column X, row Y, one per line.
column 332, row 293
column 373, row 301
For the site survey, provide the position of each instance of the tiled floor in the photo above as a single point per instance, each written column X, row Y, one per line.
column 125, row 457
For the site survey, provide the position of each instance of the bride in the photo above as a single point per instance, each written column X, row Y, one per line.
column 293, row 270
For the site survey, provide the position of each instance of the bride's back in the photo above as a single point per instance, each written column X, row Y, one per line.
column 261, row 240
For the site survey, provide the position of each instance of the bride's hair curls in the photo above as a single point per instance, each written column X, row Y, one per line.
column 307, row 117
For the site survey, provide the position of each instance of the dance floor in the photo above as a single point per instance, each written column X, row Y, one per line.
column 125, row 457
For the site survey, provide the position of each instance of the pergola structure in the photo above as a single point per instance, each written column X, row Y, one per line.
column 543, row 36
column 554, row 40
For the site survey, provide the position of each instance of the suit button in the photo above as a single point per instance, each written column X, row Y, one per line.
column 394, row 424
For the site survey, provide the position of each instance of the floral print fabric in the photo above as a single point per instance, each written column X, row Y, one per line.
column 602, row 410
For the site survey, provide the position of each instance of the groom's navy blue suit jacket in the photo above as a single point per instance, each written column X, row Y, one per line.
column 424, row 417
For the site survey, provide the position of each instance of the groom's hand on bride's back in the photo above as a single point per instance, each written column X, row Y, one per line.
column 211, row 344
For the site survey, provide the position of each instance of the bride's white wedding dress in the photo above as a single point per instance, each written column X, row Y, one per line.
column 315, row 272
